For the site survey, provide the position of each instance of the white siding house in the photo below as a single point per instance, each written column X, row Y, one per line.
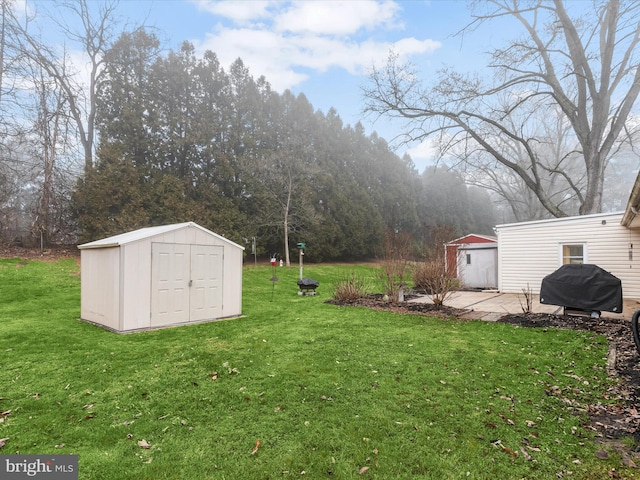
column 528, row 251
column 160, row 276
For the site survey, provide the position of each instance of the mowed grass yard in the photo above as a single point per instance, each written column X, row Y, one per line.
column 297, row 388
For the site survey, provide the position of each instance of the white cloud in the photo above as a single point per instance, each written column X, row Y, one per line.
column 413, row 46
column 336, row 17
column 240, row 12
column 317, row 35
column 263, row 52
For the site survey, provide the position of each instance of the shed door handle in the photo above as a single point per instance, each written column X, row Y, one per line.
column 190, row 282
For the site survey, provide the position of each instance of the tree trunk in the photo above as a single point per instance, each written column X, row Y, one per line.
column 592, row 201
column 285, row 224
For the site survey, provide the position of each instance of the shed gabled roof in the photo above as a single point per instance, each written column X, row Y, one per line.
column 473, row 238
column 143, row 233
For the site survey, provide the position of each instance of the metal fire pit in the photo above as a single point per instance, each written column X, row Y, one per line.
column 307, row 286
column 582, row 289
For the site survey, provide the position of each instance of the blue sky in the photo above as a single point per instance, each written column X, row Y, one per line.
column 323, row 49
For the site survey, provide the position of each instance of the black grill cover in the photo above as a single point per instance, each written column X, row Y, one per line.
column 584, row 287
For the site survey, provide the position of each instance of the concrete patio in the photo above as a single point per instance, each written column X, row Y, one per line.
column 491, row 305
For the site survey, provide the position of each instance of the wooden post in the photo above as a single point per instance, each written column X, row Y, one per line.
column 301, row 246
column 301, row 255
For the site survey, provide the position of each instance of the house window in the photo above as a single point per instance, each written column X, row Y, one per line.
column 468, row 259
column 573, row 253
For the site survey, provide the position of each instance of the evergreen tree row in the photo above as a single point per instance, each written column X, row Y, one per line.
column 181, row 139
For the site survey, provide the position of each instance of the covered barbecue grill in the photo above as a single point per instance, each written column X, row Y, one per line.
column 582, row 288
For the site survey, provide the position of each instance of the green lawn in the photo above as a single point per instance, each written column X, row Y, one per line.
column 329, row 392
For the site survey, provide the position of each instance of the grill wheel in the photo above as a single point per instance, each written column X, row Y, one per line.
column 635, row 329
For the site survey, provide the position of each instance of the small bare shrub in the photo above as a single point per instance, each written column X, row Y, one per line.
column 349, row 289
column 432, row 277
column 396, row 265
column 527, row 303
column 431, row 274
column 393, row 274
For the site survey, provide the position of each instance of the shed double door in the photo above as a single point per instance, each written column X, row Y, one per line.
column 186, row 283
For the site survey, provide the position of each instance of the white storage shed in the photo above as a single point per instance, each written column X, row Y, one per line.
column 473, row 259
column 160, row 276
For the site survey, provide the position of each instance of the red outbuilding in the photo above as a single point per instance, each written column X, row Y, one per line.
column 473, row 259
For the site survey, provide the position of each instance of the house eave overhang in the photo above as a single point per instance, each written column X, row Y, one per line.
column 631, row 217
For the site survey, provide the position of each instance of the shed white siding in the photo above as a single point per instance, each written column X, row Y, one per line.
column 133, row 281
column 529, row 251
column 100, row 300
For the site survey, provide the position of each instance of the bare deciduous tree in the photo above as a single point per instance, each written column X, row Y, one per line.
column 285, row 184
column 48, row 107
column 563, row 177
column 49, row 139
column 587, row 65
column 79, row 87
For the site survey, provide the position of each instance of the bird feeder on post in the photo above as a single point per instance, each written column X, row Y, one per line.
column 307, row 285
column 301, row 246
column 274, row 279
